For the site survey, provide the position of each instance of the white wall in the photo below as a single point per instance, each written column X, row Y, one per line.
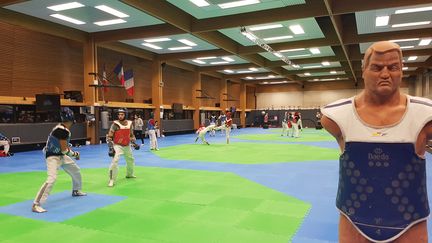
column 305, row 99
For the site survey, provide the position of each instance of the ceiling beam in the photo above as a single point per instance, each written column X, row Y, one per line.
column 308, row 10
column 193, row 54
column 4, row 3
column 214, row 74
column 128, row 49
column 244, row 75
column 322, row 77
column 312, row 60
column 42, row 26
column 136, row 33
column 341, row 24
column 182, row 65
column 315, row 70
column 351, row 6
column 228, row 66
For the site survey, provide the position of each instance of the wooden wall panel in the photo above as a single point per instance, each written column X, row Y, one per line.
column 177, row 86
column 250, row 97
column 211, row 86
column 34, row 63
column 142, row 75
column 234, row 91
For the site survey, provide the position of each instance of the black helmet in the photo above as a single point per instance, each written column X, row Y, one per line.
column 67, row 115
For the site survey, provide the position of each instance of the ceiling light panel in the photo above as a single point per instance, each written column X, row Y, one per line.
column 199, row 61
column 296, row 29
column 278, row 38
column 66, row 6
column 152, row 46
column 411, row 24
column 157, row 40
column 382, row 21
column 179, row 48
column 187, row 42
column 314, row 50
column 238, row 3
column 112, row 11
column 425, row 42
column 413, row 10
column 68, row 19
column 110, row 22
column 200, row 3
column 266, row 27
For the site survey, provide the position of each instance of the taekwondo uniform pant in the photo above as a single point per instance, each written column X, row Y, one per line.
column 153, row 139
column 285, row 131
column 53, row 163
column 295, row 130
column 130, row 161
column 227, row 133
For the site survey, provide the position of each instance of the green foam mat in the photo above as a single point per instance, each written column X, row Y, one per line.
column 248, row 153
column 162, row 205
column 307, row 135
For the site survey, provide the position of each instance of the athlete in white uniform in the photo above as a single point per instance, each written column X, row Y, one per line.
column 202, row 131
column 58, row 153
column 228, row 124
column 119, row 139
column 213, row 122
column 382, row 134
column 285, row 124
column 4, row 141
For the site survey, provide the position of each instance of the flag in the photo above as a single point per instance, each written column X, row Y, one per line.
column 104, row 79
column 118, row 70
column 129, row 82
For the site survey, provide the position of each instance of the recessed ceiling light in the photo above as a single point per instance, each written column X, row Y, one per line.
column 66, row 6
column 412, row 58
column 425, row 42
column 271, row 76
column 228, row 59
column 405, row 40
column 302, row 55
column 296, row 29
column 238, row 3
column 277, row 54
column 307, row 74
column 296, row 66
column 68, row 19
column 278, row 38
column 199, row 61
column 112, row 11
column 110, row 22
column 411, row 24
column 157, row 40
column 187, row 42
column 413, row 10
column 312, row 66
column 204, row 58
column 382, row 21
column 228, row 71
column 152, row 46
column 253, row 69
column 179, row 48
column 245, row 71
column 314, row 50
column 265, row 82
column 289, row 50
column 325, row 63
column 249, row 77
column 406, row 47
column 333, row 72
column 405, row 68
column 266, row 27
column 200, row 3
column 215, row 63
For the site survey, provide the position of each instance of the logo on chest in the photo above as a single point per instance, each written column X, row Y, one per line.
column 378, row 158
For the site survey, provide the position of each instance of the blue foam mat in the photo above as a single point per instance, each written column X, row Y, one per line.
column 62, row 206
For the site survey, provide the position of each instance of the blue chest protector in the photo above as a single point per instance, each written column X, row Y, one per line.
column 382, row 187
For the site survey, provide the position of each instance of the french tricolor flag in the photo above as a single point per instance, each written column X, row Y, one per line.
column 129, row 82
column 118, row 70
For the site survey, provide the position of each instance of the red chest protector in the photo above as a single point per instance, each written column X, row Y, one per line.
column 228, row 122
column 122, row 136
